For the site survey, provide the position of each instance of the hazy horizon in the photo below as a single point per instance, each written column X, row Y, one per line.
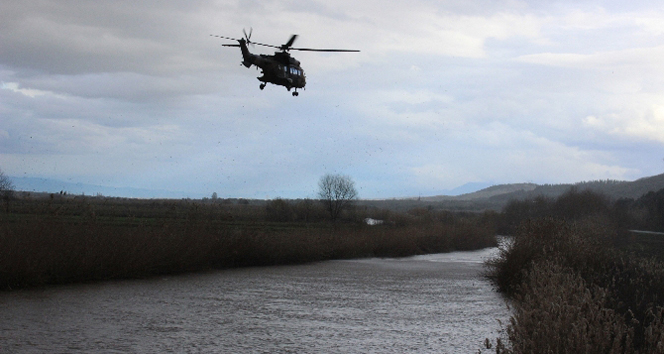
column 442, row 94
column 46, row 185
column 43, row 185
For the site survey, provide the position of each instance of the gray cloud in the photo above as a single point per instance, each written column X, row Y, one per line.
column 443, row 93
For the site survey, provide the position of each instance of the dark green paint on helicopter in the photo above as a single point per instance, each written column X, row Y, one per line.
column 280, row 68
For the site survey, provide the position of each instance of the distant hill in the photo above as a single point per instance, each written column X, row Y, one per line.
column 486, row 192
column 611, row 188
column 496, row 197
column 46, row 185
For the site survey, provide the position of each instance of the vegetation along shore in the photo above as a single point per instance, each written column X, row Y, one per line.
column 59, row 238
column 577, row 279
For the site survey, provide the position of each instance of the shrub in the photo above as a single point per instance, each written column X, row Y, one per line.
column 573, row 290
column 279, row 210
column 65, row 239
column 557, row 312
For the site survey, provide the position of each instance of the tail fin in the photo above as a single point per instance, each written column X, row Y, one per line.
column 248, row 58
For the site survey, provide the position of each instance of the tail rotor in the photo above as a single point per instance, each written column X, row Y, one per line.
column 247, row 37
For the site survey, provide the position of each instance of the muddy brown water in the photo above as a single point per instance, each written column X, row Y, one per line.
column 434, row 303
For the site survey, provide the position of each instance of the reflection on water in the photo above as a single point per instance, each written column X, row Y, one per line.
column 433, row 303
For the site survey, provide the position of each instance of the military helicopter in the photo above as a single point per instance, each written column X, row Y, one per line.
column 279, row 69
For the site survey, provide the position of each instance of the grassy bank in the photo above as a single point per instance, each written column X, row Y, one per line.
column 65, row 240
column 575, row 289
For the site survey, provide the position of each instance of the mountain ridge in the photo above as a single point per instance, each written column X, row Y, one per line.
column 614, row 189
column 48, row 185
column 493, row 197
column 496, row 197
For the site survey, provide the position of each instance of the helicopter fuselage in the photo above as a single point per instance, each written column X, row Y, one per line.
column 279, row 69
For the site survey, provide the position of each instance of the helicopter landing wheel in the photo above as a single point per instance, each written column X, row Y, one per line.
column 262, row 86
column 296, row 93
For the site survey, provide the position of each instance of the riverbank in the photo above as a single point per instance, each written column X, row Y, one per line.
column 64, row 240
column 580, row 286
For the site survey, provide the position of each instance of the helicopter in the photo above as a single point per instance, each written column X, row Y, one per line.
column 280, row 68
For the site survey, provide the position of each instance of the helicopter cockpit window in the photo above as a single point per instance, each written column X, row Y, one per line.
column 293, row 71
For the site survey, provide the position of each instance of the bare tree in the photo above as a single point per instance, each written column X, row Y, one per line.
column 336, row 192
column 6, row 190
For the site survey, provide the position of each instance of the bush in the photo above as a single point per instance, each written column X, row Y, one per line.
column 279, row 210
column 573, row 290
column 74, row 239
column 557, row 312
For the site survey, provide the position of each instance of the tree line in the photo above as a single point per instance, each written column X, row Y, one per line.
column 643, row 213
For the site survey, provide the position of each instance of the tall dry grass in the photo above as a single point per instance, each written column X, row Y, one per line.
column 574, row 293
column 66, row 243
column 558, row 312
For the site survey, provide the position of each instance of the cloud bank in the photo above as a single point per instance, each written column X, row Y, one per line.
column 443, row 93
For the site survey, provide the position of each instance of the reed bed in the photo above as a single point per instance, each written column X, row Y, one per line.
column 79, row 243
column 572, row 291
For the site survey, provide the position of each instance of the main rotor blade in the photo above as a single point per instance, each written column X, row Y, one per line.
column 326, row 50
column 231, row 38
column 250, row 42
column 267, row 45
column 290, row 42
column 286, row 46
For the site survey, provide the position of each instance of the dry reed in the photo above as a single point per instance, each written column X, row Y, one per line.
column 70, row 242
column 574, row 293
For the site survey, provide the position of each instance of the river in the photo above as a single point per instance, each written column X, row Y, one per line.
column 433, row 303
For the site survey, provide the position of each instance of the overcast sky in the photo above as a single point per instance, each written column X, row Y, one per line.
column 137, row 94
